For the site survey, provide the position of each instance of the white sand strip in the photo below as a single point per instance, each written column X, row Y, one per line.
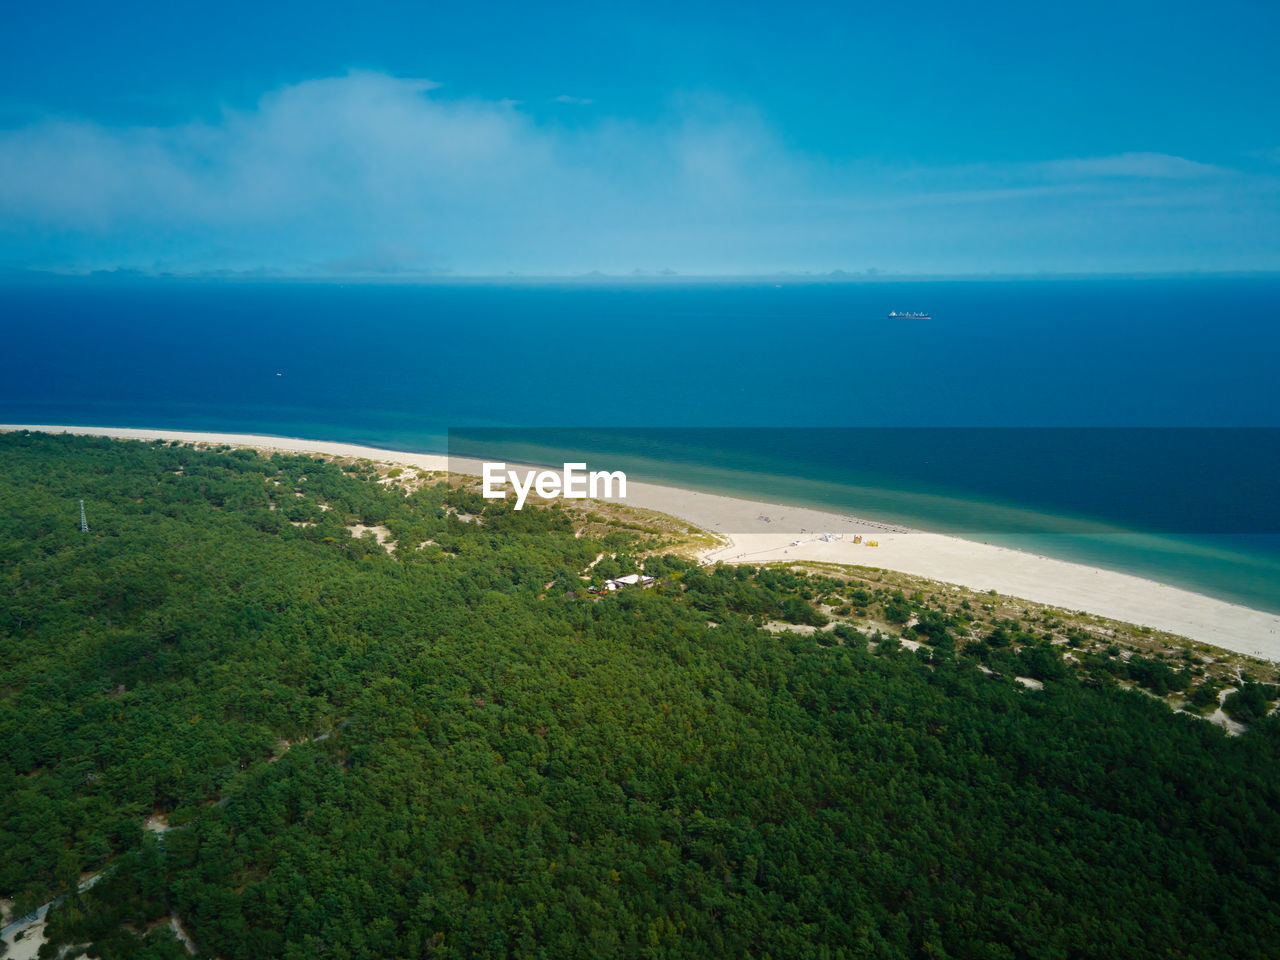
column 753, row 539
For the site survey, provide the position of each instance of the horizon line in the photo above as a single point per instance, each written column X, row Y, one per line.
column 122, row 274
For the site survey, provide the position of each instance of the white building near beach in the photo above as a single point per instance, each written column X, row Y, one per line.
column 630, row 580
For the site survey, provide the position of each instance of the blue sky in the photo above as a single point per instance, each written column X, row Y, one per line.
column 388, row 139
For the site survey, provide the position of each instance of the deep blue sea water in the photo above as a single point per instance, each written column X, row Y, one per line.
column 400, row 365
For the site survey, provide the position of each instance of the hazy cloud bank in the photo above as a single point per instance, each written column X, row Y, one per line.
column 372, row 174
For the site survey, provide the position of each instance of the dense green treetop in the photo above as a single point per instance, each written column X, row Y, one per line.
column 452, row 749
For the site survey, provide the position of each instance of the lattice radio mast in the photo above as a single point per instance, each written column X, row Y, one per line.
column 84, row 523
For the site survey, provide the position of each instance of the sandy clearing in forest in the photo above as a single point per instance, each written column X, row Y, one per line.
column 380, row 533
column 32, row 939
column 757, row 532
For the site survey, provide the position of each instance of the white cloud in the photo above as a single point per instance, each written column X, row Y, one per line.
column 579, row 101
column 329, row 169
column 1149, row 166
column 368, row 173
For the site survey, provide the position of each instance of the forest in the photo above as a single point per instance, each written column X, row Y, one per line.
column 312, row 709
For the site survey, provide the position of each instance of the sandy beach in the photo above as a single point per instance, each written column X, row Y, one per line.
column 758, row 532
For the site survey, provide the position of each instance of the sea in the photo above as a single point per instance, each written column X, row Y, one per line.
column 1132, row 424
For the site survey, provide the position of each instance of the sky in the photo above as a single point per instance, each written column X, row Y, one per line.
column 402, row 140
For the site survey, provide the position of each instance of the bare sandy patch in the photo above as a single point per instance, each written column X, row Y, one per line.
column 380, row 533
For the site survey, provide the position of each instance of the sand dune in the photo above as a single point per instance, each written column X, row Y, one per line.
column 753, row 538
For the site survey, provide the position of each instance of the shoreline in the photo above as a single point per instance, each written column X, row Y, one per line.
column 760, row 532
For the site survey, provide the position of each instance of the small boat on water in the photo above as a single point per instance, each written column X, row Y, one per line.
column 896, row 315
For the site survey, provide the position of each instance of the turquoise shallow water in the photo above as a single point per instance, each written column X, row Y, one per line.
column 399, row 366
